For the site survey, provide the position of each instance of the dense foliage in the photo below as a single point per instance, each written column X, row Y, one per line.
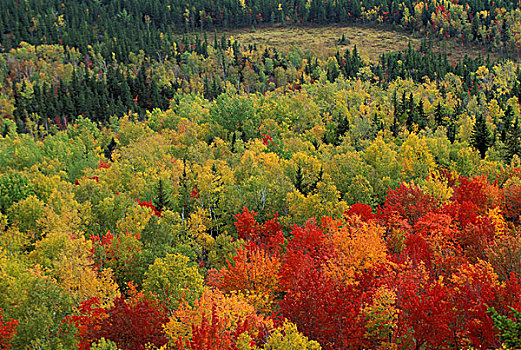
column 160, row 191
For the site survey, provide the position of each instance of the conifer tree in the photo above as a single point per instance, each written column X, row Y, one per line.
column 481, row 136
column 513, row 141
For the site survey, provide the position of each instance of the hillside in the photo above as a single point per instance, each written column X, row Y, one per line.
column 371, row 40
column 259, row 175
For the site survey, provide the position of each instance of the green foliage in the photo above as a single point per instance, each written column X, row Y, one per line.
column 173, row 281
column 25, row 214
column 14, row 186
column 509, row 327
column 126, row 150
column 73, row 154
column 38, row 302
column 235, row 113
column 103, row 344
column 19, row 152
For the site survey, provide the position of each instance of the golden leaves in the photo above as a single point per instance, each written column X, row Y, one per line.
column 356, row 246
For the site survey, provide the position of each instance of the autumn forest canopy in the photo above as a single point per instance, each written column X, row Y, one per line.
column 164, row 185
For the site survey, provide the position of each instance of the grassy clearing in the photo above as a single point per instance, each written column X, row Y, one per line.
column 371, row 41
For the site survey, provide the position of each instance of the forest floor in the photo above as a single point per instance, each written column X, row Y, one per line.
column 371, row 40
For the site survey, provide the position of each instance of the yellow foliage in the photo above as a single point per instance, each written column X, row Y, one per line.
column 288, row 337
column 173, row 280
column 415, row 157
column 198, row 225
column 232, row 309
column 68, row 258
column 437, row 186
column 253, row 274
column 381, row 157
column 64, row 213
column 382, row 318
column 135, row 220
column 499, row 222
column 465, row 273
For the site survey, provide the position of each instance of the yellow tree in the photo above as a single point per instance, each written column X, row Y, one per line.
column 68, row 258
column 232, row 309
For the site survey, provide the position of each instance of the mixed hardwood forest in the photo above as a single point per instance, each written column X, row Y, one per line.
column 166, row 187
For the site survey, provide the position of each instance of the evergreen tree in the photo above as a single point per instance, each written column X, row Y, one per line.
column 507, row 123
column 299, row 179
column 342, row 128
column 161, row 201
column 110, row 148
column 438, row 116
column 513, row 141
column 481, row 136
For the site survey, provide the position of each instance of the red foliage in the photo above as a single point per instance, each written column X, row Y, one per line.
column 252, row 269
column 444, row 242
column 325, row 310
column 149, row 205
column 438, row 273
column 409, row 201
column 363, row 210
column 305, row 252
column 95, row 178
column 267, row 139
column 88, row 322
column 417, row 250
column 308, row 239
column 7, row 331
column 475, row 238
column 475, row 289
column 425, row 311
column 194, row 194
column 103, row 164
column 479, row 192
column 464, row 213
column 130, row 323
column 212, row 334
column 513, row 202
column 267, row 236
column 117, row 252
column 510, row 295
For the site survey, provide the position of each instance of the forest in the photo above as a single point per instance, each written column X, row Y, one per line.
column 165, row 186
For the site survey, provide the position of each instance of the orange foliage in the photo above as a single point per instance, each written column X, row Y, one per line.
column 253, row 273
column 355, row 246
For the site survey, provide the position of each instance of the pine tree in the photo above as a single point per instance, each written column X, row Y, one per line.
column 161, row 201
column 299, row 179
column 513, row 141
column 438, row 116
column 481, row 136
column 507, row 123
column 110, row 148
column 421, row 116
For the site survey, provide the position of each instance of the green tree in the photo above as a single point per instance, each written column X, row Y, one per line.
column 509, row 327
column 173, row 280
column 513, row 141
column 481, row 136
